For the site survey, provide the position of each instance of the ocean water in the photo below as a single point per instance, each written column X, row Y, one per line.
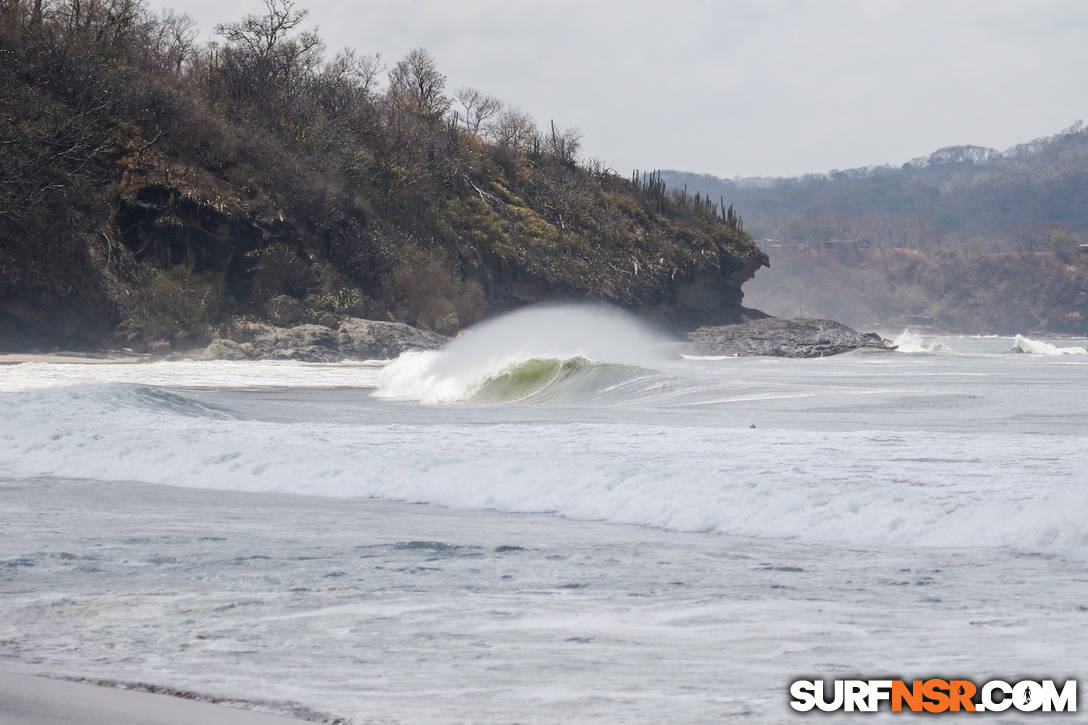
column 558, row 518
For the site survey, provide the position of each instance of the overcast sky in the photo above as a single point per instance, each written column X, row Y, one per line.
column 741, row 87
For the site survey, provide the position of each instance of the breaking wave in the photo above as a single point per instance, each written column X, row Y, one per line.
column 552, row 380
column 1025, row 345
column 908, row 341
column 87, row 401
column 860, row 487
column 557, row 353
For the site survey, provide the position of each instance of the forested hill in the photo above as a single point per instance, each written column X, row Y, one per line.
column 152, row 188
column 969, row 239
column 956, row 195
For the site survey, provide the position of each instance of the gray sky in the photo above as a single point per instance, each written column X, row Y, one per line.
column 741, row 87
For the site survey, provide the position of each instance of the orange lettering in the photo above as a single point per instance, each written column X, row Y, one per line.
column 961, row 693
column 911, row 695
column 936, row 692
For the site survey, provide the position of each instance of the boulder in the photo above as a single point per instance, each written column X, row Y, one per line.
column 227, row 350
column 332, row 341
column 310, row 343
column 378, row 340
column 777, row 337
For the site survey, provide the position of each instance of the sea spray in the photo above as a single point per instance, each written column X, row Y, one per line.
column 561, row 334
column 910, row 341
column 1025, row 345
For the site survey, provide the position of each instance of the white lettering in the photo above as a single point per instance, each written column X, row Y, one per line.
column 804, row 695
column 1064, row 701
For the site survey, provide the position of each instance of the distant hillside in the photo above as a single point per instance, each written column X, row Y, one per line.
column 978, row 239
column 152, row 188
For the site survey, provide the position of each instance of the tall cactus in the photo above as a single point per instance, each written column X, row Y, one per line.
column 732, row 219
column 651, row 187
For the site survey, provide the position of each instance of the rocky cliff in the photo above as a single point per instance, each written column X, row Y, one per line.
column 148, row 198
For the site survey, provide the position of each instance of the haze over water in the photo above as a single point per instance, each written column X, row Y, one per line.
column 586, row 525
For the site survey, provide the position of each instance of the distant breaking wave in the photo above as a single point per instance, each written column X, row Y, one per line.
column 542, row 354
column 552, row 380
column 1022, row 344
column 908, row 341
column 536, row 380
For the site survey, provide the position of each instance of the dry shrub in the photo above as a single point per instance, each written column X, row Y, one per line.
column 174, row 303
column 422, row 291
column 340, row 301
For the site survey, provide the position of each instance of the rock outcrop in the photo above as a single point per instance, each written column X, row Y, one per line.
column 777, row 337
column 358, row 339
column 353, row 339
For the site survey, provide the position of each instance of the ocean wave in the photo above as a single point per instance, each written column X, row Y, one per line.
column 1025, row 345
column 538, row 354
column 533, row 380
column 552, row 380
column 88, row 402
column 863, row 488
column 912, row 342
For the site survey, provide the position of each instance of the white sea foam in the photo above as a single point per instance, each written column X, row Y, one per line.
column 909, row 341
column 566, row 332
column 193, row 374
column 1037, row 347
column 836, row 553
column 906, row 488
column 971, row 461
column 708, row 357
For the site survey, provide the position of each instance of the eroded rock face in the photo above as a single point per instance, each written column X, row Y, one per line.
column 227, row 350
column 776, row 337
column 377, row 340
column 284, row 310
column 312, row 343
column 353, row 339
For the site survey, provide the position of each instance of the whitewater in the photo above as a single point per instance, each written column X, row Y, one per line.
column 559, row 517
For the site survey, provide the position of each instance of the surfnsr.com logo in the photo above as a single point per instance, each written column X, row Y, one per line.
column 933, row 695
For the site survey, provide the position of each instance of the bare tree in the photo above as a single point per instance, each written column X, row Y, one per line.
column 260, row 34
column 176, row 38
column 476, row 108
column 106, row 23
column 346, row 80
column 417, row 82
column 363, row 69
column 262, row 57
column 515, row 129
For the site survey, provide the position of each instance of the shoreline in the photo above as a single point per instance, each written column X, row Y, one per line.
column 72, row 358
column 41, row 700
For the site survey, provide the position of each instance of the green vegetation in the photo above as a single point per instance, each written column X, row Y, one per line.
column 651, row 188
column 154, row 188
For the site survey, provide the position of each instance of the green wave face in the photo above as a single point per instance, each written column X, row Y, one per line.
column 552, row 380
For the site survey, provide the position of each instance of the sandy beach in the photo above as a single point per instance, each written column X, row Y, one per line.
column 26, row 700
